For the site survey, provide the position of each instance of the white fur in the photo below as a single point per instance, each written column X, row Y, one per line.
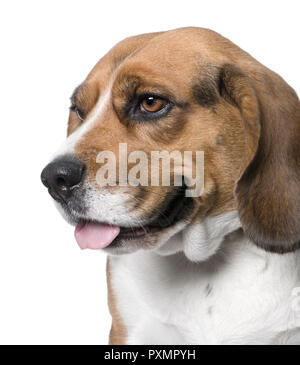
column 202, row 241
column 68, row 147
column 239, row 294
column 110, row 208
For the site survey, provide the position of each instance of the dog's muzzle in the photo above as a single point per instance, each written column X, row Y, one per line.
column 64, row 178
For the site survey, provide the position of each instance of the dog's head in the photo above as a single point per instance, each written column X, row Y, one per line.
column 183, row 90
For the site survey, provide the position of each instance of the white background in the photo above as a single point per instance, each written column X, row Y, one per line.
column 51, row 292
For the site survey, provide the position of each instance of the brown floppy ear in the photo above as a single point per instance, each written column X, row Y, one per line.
column 268, row 191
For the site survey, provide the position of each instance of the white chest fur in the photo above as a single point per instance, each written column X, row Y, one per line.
column 241, row 295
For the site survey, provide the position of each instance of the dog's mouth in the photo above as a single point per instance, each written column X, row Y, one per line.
column 96, row 235
column 99, row 235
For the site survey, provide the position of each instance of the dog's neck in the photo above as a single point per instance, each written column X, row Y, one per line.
column 201, row 241
column 239, row 292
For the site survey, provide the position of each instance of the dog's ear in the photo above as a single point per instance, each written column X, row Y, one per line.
column 268, row 190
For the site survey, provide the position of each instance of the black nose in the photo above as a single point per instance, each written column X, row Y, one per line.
column 62, row 176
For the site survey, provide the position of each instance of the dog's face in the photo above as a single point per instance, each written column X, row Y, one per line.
column 183, row 90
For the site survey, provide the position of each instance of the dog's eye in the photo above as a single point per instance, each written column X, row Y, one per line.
column 152, row 104
column 78, row 112
column 148, row 107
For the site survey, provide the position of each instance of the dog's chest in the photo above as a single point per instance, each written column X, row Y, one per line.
column 233, row 298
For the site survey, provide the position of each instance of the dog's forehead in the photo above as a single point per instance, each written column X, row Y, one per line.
column 116, row 56
column 178, row 52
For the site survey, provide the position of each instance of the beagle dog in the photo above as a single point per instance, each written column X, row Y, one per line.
column 219, row 268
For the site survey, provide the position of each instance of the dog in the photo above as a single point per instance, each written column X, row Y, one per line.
column 219, row 268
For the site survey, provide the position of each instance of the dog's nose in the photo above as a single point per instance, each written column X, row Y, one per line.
column 62, row 176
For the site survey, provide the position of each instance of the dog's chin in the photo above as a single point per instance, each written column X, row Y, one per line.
column 116, row 239
column 150, row 239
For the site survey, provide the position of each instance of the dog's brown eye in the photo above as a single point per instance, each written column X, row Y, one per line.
column 79, row 113
column 152, row 104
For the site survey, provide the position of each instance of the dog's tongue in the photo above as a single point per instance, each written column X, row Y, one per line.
column 95, row 235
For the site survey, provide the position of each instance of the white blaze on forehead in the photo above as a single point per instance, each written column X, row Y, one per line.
column 68, row 147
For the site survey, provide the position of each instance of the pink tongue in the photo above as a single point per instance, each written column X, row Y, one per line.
column 95, row 235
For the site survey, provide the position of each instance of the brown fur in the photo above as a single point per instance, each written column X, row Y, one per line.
column 117, row 334
column 268, row 192
column 242, row 115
